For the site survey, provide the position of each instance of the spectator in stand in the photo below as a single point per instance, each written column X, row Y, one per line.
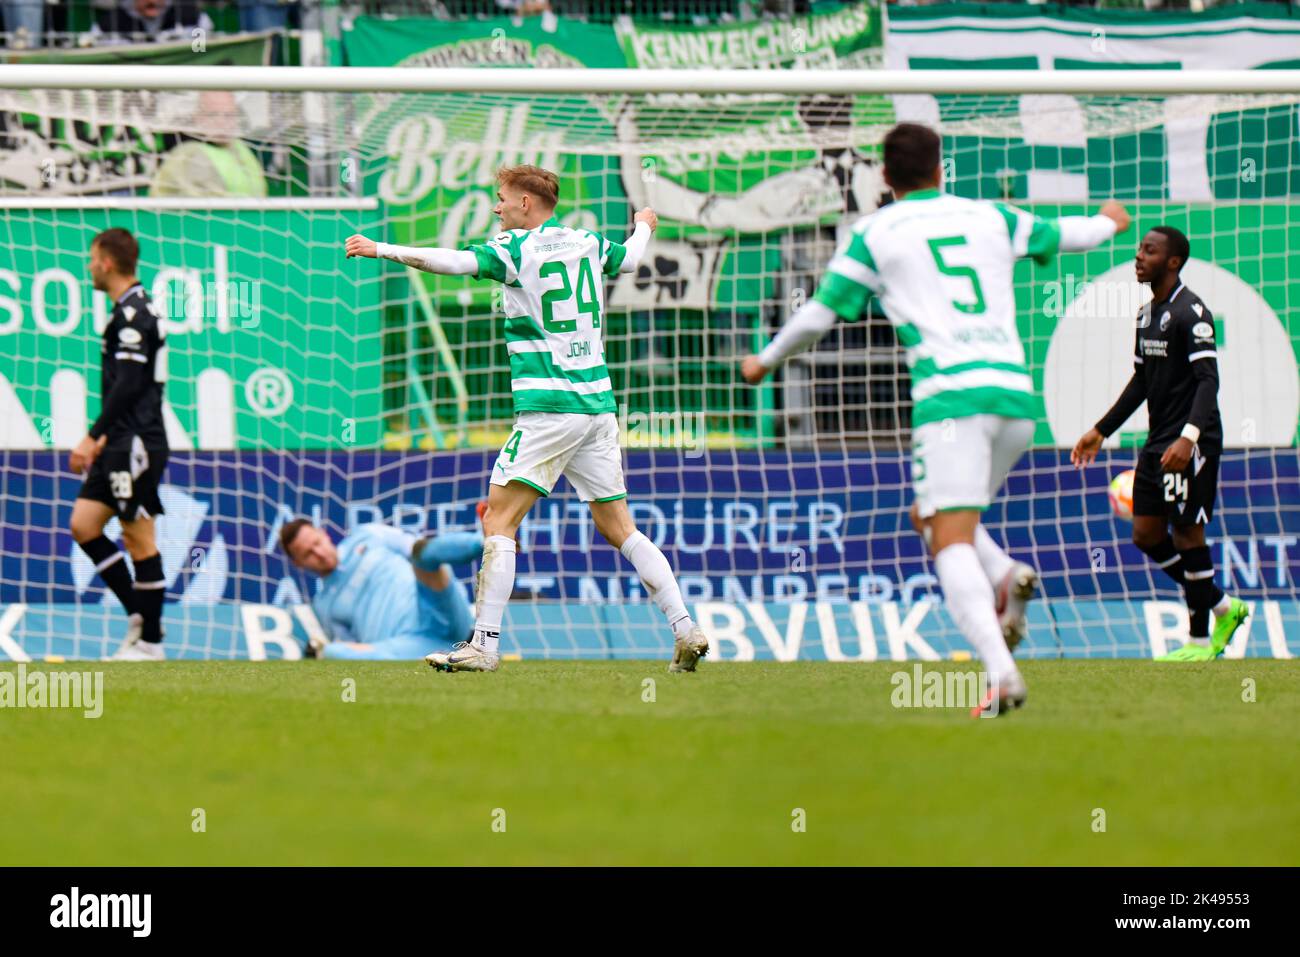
column 25, row 23
column 157, row 21
column 258, row 15
column 525, row 8
column 216, row 162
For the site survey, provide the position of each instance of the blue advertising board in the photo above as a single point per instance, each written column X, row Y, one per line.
column 777, row 535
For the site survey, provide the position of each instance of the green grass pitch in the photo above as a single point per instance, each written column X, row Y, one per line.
column 711, row 772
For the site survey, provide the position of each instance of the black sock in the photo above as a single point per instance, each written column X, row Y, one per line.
column 1202, row 593
column 150, row 588
column 1199, row 623
column 1167, row 558
column 111, row 566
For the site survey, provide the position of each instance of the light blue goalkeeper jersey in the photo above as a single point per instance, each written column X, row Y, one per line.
column 373, row 594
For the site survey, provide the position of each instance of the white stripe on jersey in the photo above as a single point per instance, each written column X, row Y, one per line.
column 582, row 388
column 854, row 270
column 971, row 379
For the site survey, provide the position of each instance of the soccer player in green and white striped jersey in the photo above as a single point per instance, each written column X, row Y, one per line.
column 565, row 423
column 942, row 269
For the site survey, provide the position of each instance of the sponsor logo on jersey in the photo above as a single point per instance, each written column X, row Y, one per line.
column 129, row 337
column 1154, row 347
column 1203, row 330
column 1165, row 320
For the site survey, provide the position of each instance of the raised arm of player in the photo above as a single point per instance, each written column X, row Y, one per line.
column 435, row 259
column 646, row 223
column 1079, row 233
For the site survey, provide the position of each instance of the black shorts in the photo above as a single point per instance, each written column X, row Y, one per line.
column 1182, row 498
column 126, row 480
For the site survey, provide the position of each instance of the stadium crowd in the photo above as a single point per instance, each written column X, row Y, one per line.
column 33, row 24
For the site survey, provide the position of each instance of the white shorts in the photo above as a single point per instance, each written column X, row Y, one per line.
column 961, row 463
column 584, row 448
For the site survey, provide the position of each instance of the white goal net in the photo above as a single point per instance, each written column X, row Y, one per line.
column 352, row 391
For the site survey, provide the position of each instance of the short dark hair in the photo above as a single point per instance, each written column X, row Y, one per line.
column 121, row 246
column 289, row 531
column 1175, row 242
column 912, row 153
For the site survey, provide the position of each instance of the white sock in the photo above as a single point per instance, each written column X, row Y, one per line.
column 496, row 580
column 969, row 598
column 995, row 562
column 657, row 576
column 1222, row 607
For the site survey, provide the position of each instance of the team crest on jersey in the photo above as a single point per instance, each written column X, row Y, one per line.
column 1165, row 320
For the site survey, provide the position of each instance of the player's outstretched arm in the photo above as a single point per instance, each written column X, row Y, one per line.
column 1079, row 233
column 1134, row 394
column 809, row 323
column 843, row 293
column 434, row 259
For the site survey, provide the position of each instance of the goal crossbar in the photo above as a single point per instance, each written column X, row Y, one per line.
column 607, row 81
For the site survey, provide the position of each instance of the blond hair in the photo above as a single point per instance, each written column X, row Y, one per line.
column 541, row 184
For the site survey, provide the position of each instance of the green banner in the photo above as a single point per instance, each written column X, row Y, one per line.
column 436, row 156
column 242, row 50
column 1061, row 148
column 74, row 142
column 833, row 40
column 272, row 342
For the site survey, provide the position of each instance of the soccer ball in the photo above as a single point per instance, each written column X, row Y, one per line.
column 1121, row 495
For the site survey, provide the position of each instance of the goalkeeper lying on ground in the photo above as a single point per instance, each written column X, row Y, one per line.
column 384, row 593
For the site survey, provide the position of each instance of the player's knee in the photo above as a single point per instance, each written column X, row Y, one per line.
column 1147, row 538
column 138, row 544
column 499, row 521
column 615, row 531
column 914, row 513
column 83, row 531
column 614, row 522
column 1190, row 537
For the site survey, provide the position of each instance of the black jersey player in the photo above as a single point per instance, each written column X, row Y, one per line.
column 1176, row 373
column 126, row 451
